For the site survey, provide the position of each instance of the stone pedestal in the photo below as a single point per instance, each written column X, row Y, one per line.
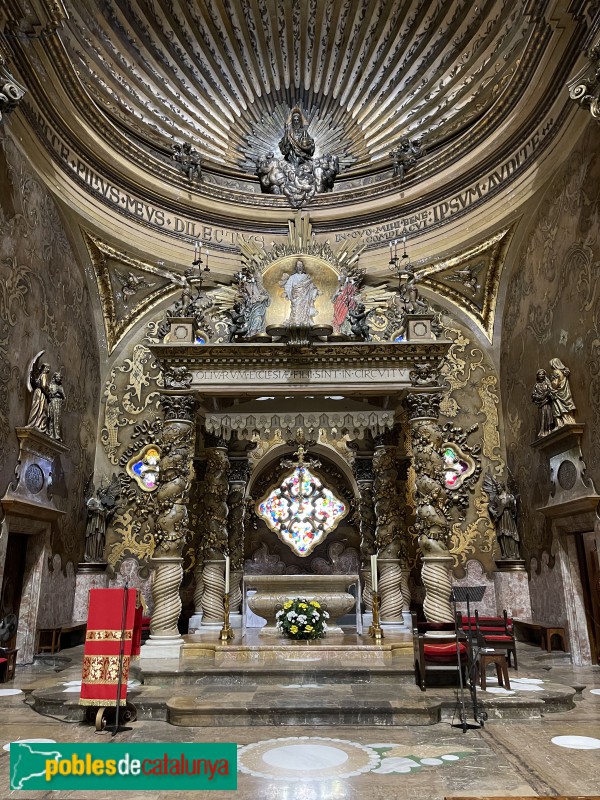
column 195, row 623
column 161, row 647
column 89, row 576
column 512, row 593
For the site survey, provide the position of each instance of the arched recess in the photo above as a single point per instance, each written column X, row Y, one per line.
column 265, row 553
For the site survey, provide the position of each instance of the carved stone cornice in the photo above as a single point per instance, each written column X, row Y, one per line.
column 354, row 424
column 179, row 407
column 229, row 369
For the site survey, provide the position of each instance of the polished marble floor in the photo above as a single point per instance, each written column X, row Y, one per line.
column 558, row 754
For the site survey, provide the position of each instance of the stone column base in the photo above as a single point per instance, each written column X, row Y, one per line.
column 512, row 593
column 161, row 647
column 195, row 623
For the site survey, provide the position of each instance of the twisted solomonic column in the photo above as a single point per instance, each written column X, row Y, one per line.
column 215, row 540
column 363, row 471
column 236, row 501
column 213, row 577
column 435, row 574
column 387, row 534
column 172, row 496
column 431, row 500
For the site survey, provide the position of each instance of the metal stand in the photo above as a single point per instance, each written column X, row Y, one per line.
column 461, row 594
column 226, row 631
column 375, row 630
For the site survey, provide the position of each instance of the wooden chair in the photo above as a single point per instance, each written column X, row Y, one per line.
column 497, row 633
column 436, row 650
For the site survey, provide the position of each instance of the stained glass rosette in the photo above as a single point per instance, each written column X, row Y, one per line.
column 301, row 510
column 457, row 465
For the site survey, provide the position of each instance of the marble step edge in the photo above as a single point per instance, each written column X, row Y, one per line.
column 276, row 674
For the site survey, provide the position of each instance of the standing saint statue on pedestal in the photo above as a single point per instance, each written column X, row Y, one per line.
column 101, row 505
column 502, row 508
column 37, row 382
column 56, row 400
column 562, row 400
column 301, row 291
column 542, row 397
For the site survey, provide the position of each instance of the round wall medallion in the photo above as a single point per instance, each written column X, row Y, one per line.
column 34, row 478
column 180, row 332
column 567, row 475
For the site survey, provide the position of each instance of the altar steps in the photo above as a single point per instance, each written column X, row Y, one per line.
column 286, row 704
column 197, row 674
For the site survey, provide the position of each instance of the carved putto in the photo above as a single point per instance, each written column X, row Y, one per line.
column 552, row 395
column 502, row 508
column 298, row 175
column 188, row 159
column 47, row 400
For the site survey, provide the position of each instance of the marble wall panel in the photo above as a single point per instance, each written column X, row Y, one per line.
column 475, row 576
column 58, row 590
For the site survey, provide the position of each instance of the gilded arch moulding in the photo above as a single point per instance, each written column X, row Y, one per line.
column 128, row 288
column 470, row 279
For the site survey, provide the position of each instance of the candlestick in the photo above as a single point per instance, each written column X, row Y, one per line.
column 375, row 630
column 374, row 571
column 227, row 565
column 226, row 631
column 395, row 248
column 206, row 269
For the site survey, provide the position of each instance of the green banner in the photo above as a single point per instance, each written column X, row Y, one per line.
column 110, row 766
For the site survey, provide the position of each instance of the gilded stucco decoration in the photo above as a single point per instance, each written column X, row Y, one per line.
column 552, row 312
column 469, row 419
column 128, row 288
column 470, row 278
column 45, row 305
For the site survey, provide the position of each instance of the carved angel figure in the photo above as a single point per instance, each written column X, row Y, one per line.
column 37, row 382
column 131, row 284
column 101, row 505
column 467, row 276
column 502, row 508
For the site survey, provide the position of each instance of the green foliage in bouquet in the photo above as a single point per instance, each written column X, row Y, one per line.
column 302, row 619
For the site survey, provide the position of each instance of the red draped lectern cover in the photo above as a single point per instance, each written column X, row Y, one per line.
column 109, row 613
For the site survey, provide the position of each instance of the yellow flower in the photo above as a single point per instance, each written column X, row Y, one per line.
column 309, row 628
column 293, row 629
column 302, row 605
column 288, row 604
column 315, row 604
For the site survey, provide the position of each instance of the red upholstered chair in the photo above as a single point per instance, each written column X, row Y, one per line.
column 497, row 633
column 8, row 661
column 435, row 650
